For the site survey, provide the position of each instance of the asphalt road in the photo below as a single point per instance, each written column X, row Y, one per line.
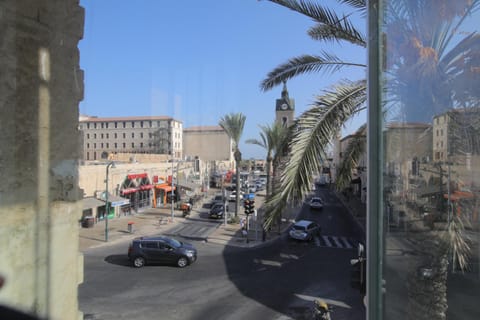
column 278, row 281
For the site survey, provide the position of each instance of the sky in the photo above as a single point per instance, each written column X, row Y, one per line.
column 197, row 61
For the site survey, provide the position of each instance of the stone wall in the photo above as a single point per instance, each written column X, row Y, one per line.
column 41, row 85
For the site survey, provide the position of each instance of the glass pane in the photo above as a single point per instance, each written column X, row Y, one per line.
column 431, row 159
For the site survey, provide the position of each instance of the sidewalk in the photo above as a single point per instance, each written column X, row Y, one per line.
column 155, row 221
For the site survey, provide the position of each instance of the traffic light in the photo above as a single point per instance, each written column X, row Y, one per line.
column 249, row 206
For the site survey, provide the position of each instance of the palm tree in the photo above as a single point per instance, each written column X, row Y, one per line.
column 272, row 139
column 312, row 132
column 233, row 125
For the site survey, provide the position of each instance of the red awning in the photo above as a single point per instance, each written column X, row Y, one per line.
column 129, row 190
column 137, row 176
column 146, row 187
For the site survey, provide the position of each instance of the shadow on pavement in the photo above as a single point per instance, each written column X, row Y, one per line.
column 119, row 260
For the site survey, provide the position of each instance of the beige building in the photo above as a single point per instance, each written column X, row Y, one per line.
column 208, row 143
column 150, row 134
column 41, row 85
column 454, row 134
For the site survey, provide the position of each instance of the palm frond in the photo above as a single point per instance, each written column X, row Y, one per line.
column 351, row 157
column 359, row 4
column 311, row 134
column 314, row 11
column 327, row 33
column 304, row 64
column 458, row 241
column 233, row 124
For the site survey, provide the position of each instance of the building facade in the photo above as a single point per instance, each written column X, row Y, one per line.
column 150, row 134
column 208, row 143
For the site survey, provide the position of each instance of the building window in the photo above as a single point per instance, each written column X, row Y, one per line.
column 141, row 144
column 124, row 135
column 141, row 124
column 150, row 123
column 88, row 155
column 124, row 124
column 101, row 145
column 101, row 136
column 116, row 125
column 88, row 135
column 124, row 145
column 94, row 146
column 88, row 145
column 133, row 144
column 133, row 124
column 95, row 125
column 141, row 134
column 88, row 125
column 115, row 145
column 133, row 134
column 106, row 125
column 94, row 136
column 115, row 135
column 107, row 135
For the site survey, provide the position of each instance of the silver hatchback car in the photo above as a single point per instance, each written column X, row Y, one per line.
column 304, row 230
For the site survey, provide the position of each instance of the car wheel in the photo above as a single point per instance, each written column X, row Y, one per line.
column 139, row 262
column 182, row 262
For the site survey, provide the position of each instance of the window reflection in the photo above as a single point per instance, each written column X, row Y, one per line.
column 431, row 159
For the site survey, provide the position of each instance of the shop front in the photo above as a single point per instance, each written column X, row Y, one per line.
column 137, row 188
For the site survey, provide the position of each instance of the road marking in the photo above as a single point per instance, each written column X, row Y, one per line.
column 327, row 241
column 336, row 242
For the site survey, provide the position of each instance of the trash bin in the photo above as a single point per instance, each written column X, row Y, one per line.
column 88, row 222
column 130, row 226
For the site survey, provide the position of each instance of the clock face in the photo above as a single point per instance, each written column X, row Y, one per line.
column 284, row 106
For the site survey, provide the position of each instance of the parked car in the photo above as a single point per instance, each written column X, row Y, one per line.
column 217, row 211
column 316, row 203
column 304, row 230
column 162, row 250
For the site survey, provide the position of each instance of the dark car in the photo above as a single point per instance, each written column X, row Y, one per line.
column 216, row 212
column 316, row 203
column 163, row 250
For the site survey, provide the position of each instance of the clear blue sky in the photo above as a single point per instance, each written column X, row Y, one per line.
column 197, row 60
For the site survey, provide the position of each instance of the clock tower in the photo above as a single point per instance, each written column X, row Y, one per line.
column 284, row 108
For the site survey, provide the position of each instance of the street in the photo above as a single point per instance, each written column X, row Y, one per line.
column 276, row 281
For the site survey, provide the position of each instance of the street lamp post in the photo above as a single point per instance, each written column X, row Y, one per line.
column 107, row 207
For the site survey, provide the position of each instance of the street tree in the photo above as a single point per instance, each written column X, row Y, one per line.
column 233, row 124
column 272, row 139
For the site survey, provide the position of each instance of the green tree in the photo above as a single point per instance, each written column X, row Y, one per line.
column 233, row 124
column 312, row 132
column 272, row 139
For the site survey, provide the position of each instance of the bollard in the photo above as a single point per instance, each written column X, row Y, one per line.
column 130, row 226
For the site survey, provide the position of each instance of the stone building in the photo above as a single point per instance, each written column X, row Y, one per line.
column 209, row 143
column 151, row 134
column 41, row 85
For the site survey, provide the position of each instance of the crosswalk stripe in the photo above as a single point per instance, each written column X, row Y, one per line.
column 336, row 242
column 325, row 238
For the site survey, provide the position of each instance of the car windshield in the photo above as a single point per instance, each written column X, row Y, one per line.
column 300, row 228
column 316, row 200
column 174, row 243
